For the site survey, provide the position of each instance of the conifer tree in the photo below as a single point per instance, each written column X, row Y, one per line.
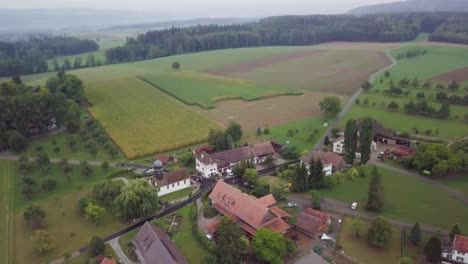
column 415, row 235
column 375, row 196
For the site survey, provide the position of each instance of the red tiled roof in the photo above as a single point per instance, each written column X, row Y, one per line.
column 404, row 151
column 277, row 224
column 252, row 212
column 279, row 212
column 312, row 221
column 164, row 158
column 267, row 200
column 108, row 261
column 213, row 226
column 262, row 149
column 167, row 178
column 326, row 157
column 204, row 148
column 460, row 243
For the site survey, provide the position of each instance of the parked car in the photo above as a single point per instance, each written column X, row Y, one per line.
column 149, row 171
column 229, row 172
column 209, row 237
column 354, row 206
column 291, row 204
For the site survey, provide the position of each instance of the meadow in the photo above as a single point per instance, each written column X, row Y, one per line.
column 6, row 221
column 195, row 88
column 406, row 198
column 143, row 120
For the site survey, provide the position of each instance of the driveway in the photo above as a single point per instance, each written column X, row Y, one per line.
column 114, row 243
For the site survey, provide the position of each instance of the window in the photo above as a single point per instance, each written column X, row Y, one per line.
column 460, row 259
column 178, row 183
column 449, row 256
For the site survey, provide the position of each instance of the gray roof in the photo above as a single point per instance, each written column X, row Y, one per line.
column 312, row 258
column 156, row 247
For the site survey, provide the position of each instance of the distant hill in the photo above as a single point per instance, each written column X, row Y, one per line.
column 413, row 6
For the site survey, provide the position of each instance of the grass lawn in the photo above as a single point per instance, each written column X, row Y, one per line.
column 61, row 140
column 406, row 198
column 405, row 123
column 125, row 240
column 143, row 120
column 7, row 169
column 69, row 229
column 177, row 195
column 273, row 181
column 205, row 89
column 74, row 183
column 359, row 248
column 303, row 138
column 460, row 183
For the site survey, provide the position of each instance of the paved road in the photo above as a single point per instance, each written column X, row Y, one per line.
column 352, row 100
column 343, row 208
column 114, row 243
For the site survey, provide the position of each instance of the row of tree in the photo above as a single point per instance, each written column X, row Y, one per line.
column 365, row 138
column 30, row 56
column 424, row 109
column 224, row 140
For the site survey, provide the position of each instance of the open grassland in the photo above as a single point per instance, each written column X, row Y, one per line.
column 269, row 112
column 406, row 198
column 143, row 120
column 460, row 183
column 331, row 71
column 205, row 89
column 450, row 129
column 6, row 205
column 65, row 184
column 69, row 229
column 360, row 249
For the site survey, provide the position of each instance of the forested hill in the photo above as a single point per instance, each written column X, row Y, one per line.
column 30, row 56
column 414, row 6
column 287, row 30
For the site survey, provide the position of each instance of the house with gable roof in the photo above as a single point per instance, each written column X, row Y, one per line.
column 456, row 251
column 331, row 162
column 249, row 212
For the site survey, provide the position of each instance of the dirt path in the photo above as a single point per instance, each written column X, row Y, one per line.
column 343, row 208
column 353, row 99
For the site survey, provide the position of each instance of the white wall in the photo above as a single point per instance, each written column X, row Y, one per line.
column 206, row 170
column 328, row 169
column 338, row 147
column 174, row 187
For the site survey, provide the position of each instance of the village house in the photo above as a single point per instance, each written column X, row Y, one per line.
column 331, row 162
column 379, row 135
column 312, row 222
column 209, row 165
column 249, row 212
column 457, row 250
column 169, row 182
column 154, row 246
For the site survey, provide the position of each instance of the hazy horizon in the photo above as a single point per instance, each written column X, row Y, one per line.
column 186, row 9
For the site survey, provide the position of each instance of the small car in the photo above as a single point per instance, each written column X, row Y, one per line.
column 354, row 206
column 291, row 204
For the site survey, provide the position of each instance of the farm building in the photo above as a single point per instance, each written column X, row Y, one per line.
column 331, row 162
column 249, row 212
column 403, row 151
column 312, row 222
column 154, row 246
column 166, row 159
column 457, row 250
column 168, row 182
column 218, row 163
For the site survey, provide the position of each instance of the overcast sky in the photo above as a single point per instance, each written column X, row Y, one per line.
column 204, row 8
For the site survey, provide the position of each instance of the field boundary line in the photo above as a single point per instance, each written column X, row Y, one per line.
column 298, row 92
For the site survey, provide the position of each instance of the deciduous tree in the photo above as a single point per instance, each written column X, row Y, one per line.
column 96, row 246
column 42, row 241
column 331, row 106
column 94, row 212
column 433, row 249
column 35, row 216
column 137, row 199
column 379, row 233
column 230, row 249
column 235, row 130
column 269, row 246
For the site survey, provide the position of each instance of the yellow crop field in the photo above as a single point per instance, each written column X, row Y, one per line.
column 142, row 120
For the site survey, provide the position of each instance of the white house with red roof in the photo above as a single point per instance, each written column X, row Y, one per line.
column 457, row 251
column 331, row 162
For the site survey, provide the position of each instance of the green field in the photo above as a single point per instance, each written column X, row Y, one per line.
column 273, row 181
column 359, row 248
column 69, row 229
column 177, row 195
column 142, row 120
column 205, row 89
column 460, row 183
column 6, row 207
column 406, row 198
column 405, row 123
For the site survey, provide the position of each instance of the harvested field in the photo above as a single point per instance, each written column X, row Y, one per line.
column 143, row 120
column 334, row 70
column 460, row 76
column 267, row 112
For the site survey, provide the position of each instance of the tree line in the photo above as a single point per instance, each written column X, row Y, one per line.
column 30, row 56
column 28, row 111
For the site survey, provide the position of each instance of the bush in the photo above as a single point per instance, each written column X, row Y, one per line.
column 49, row 185
column 17, row 142
column 290, row 152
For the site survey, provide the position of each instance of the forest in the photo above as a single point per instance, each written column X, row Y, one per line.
column 289, row 31
column 30, row 56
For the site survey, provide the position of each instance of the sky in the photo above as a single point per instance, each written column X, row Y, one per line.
column 204, row 8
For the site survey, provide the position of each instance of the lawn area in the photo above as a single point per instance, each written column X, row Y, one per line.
column 7, row 169
column 273, row 181
column 406, row 198
column 69, row 229
column 405, row 123
column 61, row 141
column 143, row 120
column 177, row 195
column 75, row 182
column 303, row 135
column 205, row 89
column 359, row 248
column 124, row 241
column 460, row 183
